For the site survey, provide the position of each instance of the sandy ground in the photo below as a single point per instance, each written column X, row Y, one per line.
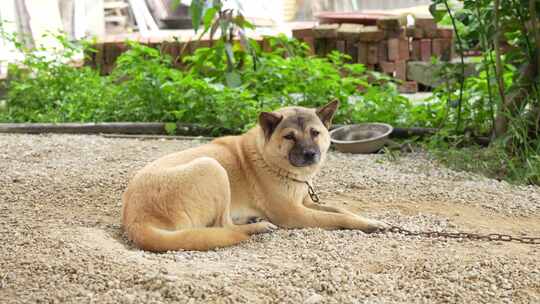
column 61, row 240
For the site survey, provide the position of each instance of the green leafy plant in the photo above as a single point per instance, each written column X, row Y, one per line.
column 145, row 86
column 231, row 25
column 45, row 88
column 501, row 105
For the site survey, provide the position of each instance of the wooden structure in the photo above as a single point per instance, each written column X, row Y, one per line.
column 116, row 14
column 36, row 21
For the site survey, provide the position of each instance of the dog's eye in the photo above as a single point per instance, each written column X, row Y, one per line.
column 289, row 136
column 314, row 132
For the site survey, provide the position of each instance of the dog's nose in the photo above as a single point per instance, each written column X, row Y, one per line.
column 309, row 154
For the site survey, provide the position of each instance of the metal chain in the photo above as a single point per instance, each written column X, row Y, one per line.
column 312, row 194
column 448, row 235
column 467, row 235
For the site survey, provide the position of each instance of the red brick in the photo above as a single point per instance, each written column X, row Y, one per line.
column 437, row 47
column 325, row 31
column 442, row 48
column 408, row 87
column 122, row 47
column 266, row 46
column 404, row 49
column 351, row 49
column 373, row 53
column 362, row 52
column 415, row 54
column 370, row 67
column 370, row 34
column 340, row 46
column 310, row 41
column 401, row 70
column 396, row 69
column 188, row 47
column 383, row 51
column 425, row 49
column 302, row 33
column 203, row 43
column 447, row 50
column 425, row 23
column 387, row 67
column 393, row 49
column 324, row 45
column 395, row 33
column 349, row 31
column 398, row 49
column 445, row 32
column 430, row 32
column 418, row 33
column 388, row 23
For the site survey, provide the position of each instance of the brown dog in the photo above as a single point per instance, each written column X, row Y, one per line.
column 206, row 197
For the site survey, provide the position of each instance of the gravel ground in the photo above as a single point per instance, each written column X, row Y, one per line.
column 62, row 241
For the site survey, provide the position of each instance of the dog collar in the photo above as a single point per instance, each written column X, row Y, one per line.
column 311, row 191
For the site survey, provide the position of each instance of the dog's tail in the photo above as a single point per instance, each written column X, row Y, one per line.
column 159, row 240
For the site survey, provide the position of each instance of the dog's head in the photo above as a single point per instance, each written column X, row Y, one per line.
column 296, row 139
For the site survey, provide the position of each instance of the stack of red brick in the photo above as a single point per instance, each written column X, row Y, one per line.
column 385, row 47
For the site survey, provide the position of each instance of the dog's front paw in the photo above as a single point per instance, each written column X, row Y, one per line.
column 375, row 226
column 264, row 227
column 254, row 219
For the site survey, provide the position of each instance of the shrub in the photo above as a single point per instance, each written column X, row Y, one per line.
column 144, row 86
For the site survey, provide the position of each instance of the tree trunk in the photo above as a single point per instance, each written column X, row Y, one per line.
column 534, row 114
column 501, row 122
column 536, row 34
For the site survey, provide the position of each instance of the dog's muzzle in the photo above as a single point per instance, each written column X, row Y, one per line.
column 303, row 157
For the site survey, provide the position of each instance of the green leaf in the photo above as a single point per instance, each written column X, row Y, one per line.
column 196, row 11
column 248, row 25
column 241, row 22
column 230, row 56
column 209, row 17
column 437, row 10
column 224, row 26
column 170, row 128
column 175, row 4
column 233, row 79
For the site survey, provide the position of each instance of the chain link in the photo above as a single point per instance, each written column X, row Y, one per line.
column 449, row 235
column 467, row 235
column 312, row 194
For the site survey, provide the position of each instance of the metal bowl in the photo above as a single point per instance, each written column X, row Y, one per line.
column 361, row 138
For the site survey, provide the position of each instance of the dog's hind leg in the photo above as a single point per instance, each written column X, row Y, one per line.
column 221, row 203
column 247, row 227
column 181, row 207
column 184, row 207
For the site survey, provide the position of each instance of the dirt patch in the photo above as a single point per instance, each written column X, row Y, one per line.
column 470, row 218
column 62, row 240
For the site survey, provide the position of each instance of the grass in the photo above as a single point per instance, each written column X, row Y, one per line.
column 493, row 162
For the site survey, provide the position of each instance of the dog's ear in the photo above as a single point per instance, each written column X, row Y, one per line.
column 326, row 113
column 268, row 122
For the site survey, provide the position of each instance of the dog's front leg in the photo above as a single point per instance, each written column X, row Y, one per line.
column 299, row 216
column 310, row 204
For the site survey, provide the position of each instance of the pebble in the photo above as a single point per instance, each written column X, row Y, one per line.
column 314, row 299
